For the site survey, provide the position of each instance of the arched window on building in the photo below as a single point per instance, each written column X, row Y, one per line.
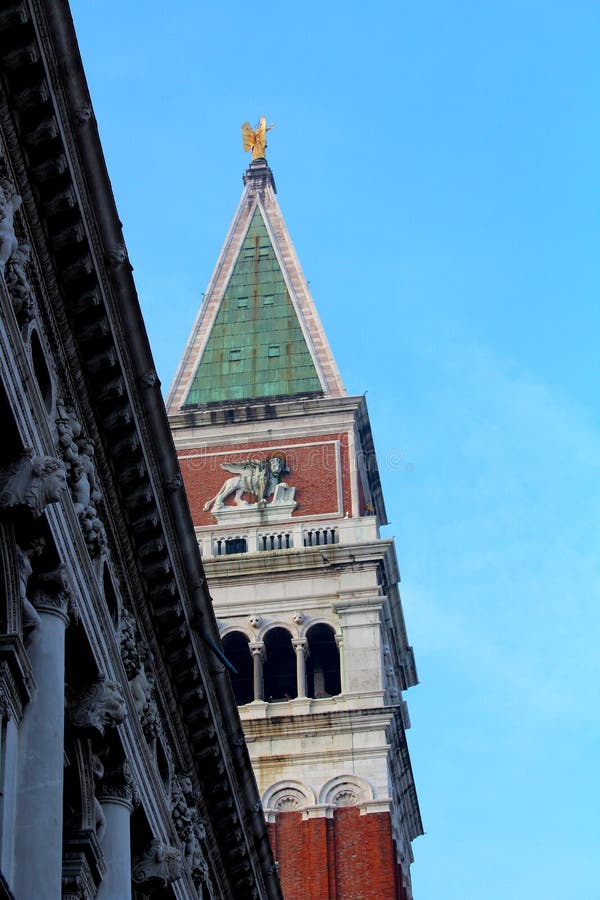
column 279, row 666
column 323, row 663
column 235, row 645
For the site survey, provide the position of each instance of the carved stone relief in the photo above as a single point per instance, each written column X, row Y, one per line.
column 258, row 480
column 190, row 827
column 31, row 483
column 158, row 865
column 77, row 452
column 10, row 202
column 141, row 682
column 99, row 705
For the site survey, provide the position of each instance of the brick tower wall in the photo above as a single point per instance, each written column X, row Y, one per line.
column 348, row 857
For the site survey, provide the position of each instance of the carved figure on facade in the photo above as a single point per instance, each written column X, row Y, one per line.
column 135, row 656
column 158, row 865
column 189, row 825
column 255, row 139
column 10, row 202
column 18, row 283
column 99, row 705
column 77, row 452
column 32, row 482
column 258, row 478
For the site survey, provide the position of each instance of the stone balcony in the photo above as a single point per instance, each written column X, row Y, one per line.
column 222, row 541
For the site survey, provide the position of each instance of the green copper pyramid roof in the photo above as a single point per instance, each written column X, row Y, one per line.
column 256, row 347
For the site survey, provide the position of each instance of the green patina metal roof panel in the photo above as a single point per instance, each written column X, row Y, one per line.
column 256, row 347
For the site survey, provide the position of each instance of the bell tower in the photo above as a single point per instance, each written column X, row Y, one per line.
column 282, row 480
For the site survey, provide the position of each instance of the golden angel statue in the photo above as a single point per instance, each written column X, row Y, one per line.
column 255, row 139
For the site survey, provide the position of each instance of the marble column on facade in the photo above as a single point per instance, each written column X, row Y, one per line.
column 116, row 799
column 339, row 640
column 39, row 813
column 257, row 649
column 300, row 646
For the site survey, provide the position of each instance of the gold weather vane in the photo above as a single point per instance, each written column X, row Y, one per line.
column 255, row 139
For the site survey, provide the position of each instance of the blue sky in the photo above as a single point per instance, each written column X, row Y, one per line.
column 437, row 166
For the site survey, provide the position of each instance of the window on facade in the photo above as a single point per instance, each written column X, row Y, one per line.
column 274, row 350
column 235, row 645
column 235, row 355
column 323, row 663
column 279, row 666
column 243, row 302
column 269, row 300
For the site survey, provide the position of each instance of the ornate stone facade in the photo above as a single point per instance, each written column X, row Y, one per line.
column 123, row 769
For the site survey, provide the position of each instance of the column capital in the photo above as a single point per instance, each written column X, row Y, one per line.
column 118, row 786
column 300, row 644
column 257, row 648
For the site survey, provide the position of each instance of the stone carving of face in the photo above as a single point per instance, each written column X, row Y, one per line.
column 298, row 617
column 255, row 620
column 276, row 464
column 55, row 483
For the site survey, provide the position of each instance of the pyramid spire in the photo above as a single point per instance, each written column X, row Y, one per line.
column 258, row 334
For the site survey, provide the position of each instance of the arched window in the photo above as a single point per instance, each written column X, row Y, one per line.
column 323, row 663
column 235, row 645
column 280, row 666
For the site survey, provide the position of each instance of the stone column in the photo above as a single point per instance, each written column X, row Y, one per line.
column 339, row 639
column 116, row 800
column 257, row 649
column 38, row 832
column 300, row 646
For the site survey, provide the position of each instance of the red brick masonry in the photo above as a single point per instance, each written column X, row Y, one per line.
column 312, row 461
column 348, row 857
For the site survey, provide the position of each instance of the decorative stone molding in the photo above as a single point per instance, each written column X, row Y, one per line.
column 31, row 483
column 345, row 790
column 255, row 620
column 18, row 281
column 100, row 705
column 298, row 617
column 159, row 865
column 129, row 644
column 287, row 796
column 16, row 678
column 10, row 202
